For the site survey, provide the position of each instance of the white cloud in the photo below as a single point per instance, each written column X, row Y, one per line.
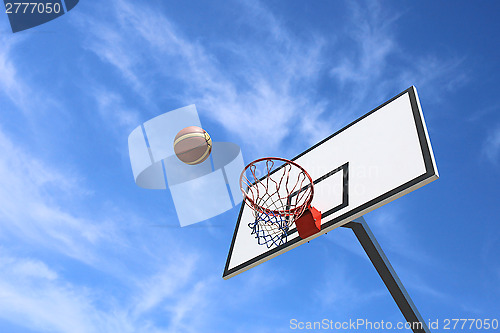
column 48, row 212
column 396, row 237
column 338, row 290
column 10, row 84
column 114, row 110
column 266, row 96
column 33, row 193
column 386, row 223
column 274, row 93
column 27, row 268
column 372, row 64
column 491, row 146
column 164, row 284
column 32, row 296
column 28, row 210
column 190, row 313
column 36, row 296
column 373, row 40
column 17, row 88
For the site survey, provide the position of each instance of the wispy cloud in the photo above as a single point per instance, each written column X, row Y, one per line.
column 164, row 284
column 10, row 84
column 15, row 87
column 41, row 212
column 337, row 289
column 261, row 98
column 113, row 108
column 35, row 295
column 267, row 95
column 48, row 210
column 491, row 146
column 386, row 223
column 28, row 211
column 368, row 57
column 262, row 89
column 372, row 64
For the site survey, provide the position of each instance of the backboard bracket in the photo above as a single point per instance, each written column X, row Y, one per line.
column 387, row 274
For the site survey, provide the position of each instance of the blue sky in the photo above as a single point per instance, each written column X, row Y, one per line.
column 83, row 249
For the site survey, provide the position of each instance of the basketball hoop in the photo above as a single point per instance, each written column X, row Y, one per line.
column 277, row 198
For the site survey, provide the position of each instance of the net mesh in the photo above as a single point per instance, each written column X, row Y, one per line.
column 277, row 198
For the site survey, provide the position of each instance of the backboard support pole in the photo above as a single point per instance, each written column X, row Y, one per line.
column 388, row 275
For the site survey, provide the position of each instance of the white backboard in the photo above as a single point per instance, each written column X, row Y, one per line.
column 379, row 157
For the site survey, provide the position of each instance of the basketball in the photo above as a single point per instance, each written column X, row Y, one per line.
column 192, row 145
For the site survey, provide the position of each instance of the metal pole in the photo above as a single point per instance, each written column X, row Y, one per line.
column 388, row 275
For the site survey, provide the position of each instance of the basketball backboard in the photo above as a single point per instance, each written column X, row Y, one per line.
column 376, row 159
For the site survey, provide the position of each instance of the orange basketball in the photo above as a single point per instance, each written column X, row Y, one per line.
column 192, row 145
